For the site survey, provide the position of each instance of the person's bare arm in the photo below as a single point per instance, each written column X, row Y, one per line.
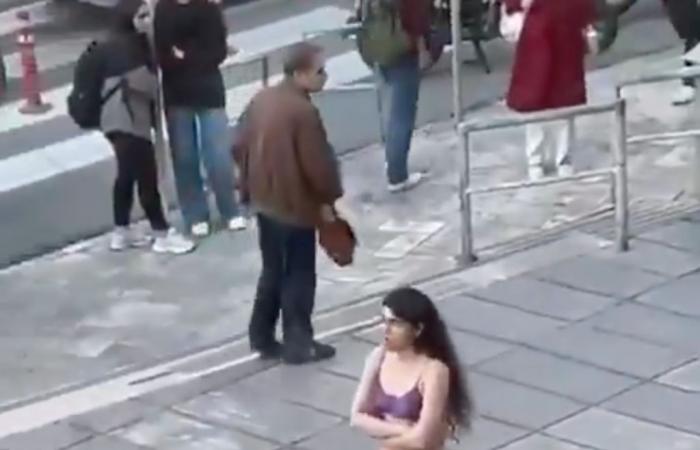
column 430, row 426
column 359, row 416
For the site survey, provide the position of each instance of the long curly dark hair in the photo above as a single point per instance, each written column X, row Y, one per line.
column 416, row 308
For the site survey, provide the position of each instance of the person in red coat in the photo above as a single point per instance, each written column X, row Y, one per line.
column 549, row 72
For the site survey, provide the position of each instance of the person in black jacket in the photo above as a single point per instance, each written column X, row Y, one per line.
column 685, row 18
column 190, row 39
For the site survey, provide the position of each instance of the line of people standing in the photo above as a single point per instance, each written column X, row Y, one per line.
column 190, row 44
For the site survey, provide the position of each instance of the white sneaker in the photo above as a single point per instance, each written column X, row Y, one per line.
column 536, row 173
column 201, row 229
column 123, row 238
column 237, row 224
column 413, row 180
column 173, row 243
column 565, row 170
column 684, row 95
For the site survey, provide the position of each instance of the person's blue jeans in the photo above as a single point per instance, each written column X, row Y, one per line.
column 201, row 136
column 400, row 85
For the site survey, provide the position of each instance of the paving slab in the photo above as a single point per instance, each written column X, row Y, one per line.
column 465, row 313
column 514, row 404
column 108, row 443
column 682, row 235
column 306, row 386
column 609, row 351
column 660, row 404
column 341, row 437
column 600, row 276
column 577, row 381
column 354, row 354
column 541, row 442
column 655, row 257
column 544, row 298
column 609, row 431
column 686, row 377
column 57, row 436
column 113, row 417
column 652, row 325
column 680, row 296
column 258, row 414
column 169, row 431
column 473, row 349
column 487, row 435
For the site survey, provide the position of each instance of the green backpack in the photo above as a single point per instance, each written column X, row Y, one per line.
column 382, row 39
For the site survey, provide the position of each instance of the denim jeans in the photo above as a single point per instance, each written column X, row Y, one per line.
column 202, row 135
column 287, row 284
column 399, row 86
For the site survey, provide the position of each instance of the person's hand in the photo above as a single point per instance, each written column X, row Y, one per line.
column 179, row 54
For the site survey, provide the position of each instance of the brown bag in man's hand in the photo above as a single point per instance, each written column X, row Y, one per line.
column 338, row 240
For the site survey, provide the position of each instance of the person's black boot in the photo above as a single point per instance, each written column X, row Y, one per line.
column 314, row 353
column 269, row 351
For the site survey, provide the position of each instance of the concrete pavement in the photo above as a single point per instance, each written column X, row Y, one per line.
column 568, row 346
column 83, row 316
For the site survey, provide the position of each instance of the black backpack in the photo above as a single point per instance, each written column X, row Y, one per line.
column 86, row 99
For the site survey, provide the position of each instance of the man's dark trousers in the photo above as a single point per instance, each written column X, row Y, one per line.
column 685, row 18
column 287, row 284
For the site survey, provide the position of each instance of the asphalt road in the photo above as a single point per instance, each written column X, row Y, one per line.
column 73, row 206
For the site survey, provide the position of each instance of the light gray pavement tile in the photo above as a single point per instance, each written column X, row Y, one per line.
column 618, row 353
column 486, row 435
column 258, row 414
column 519, row 405
column 680, row 296
column 651, row 324
column 660, row 404
column 465, row 313
column 540, row 442
column 108, row 443
column 600, row 276
column 686, row 377
column 554, row 374
column 544, row 298
column 57, row 436
column 169, row 431
column 350, row 359
column 681, row 234
column 655, row 257
column 374, row 335
column 305, row 385
column 609, row 431
column 472, row 349
column 342, row 437
column 113, row 417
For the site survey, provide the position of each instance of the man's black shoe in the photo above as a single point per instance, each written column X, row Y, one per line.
column 272, row 351
column 315, row 353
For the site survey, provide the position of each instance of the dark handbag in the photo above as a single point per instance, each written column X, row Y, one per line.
column 338, row 240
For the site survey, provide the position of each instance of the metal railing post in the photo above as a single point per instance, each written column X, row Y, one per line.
column 620, row 185
column 467, row 256
column 695, row 160
column 265, row 70
column 456, row 30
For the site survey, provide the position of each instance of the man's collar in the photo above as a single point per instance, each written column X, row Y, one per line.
column 288, row 83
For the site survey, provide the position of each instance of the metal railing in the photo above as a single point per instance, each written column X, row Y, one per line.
column 617, row 173
column 688, row 72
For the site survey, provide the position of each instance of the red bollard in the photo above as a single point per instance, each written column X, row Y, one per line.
column 30, row 71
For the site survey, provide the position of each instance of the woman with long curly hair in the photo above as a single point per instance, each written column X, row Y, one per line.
column 412, row 394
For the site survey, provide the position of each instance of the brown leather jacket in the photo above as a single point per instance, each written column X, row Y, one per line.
column 288, row 170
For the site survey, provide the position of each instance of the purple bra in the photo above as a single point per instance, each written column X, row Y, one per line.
column 407, row 406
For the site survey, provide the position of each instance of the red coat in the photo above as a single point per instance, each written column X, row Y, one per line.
column 549, row 68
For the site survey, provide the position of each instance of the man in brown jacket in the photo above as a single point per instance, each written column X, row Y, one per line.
column 290, row 177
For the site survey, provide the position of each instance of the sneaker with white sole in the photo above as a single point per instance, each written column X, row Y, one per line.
column 535, row 173
column 123, row 238
column 174, row 243
column 412, row 181
column 201, row 229
column 237, row 224
column 565, row 170
column 684, row 96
